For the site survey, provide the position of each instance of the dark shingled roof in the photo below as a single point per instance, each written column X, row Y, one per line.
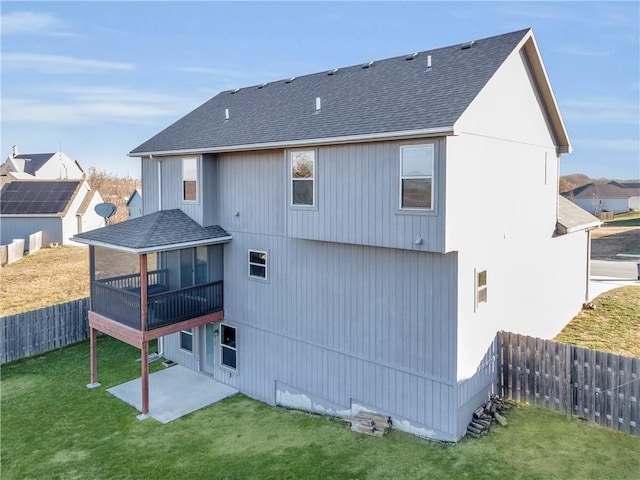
column 36, row 197
column 392, row 95
column 163, row 230
column 605, row 190
column 34, row 161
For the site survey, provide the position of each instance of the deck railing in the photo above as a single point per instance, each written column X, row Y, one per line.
column 163, row 308
column 132, row 281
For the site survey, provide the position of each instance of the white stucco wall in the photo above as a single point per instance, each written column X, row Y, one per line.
column 501, row 201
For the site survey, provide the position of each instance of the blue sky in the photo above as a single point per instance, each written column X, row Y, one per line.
column 97, row 79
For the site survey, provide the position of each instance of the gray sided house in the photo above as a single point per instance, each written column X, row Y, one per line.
column 348, row 239
column 58, row 208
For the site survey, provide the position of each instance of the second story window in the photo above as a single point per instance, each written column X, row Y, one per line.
column 416, row 177
column 303, row 176
column 190, row 179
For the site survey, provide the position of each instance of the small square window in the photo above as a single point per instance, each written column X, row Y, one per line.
column 228, row 343
column 186, row 340
column 258, row 264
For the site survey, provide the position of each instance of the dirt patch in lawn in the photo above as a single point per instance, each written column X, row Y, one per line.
column 608, row 242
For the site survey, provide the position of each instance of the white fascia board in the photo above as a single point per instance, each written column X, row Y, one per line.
column 586, row 226
column 368, row 137
column 163, row 248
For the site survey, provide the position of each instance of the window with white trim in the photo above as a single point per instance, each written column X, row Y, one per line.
column 416, row 177
column 228, row 344
column 303, row 178
column 186, row 340
column 190, row 179
column 258, row 264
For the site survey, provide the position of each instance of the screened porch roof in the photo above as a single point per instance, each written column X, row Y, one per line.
column 156, row 232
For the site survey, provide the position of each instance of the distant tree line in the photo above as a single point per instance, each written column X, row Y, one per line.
column 113, row 189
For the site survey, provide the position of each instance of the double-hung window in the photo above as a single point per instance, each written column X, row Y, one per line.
column 416, row 177
column 258, row 264
column 190, row 179
column 303, row 178
column 228, row 344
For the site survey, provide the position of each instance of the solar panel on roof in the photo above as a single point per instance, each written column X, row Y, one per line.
column 35, row 197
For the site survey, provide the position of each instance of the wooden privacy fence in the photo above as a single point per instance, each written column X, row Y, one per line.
column 599, row 386
column 37, row 331
column 12, row 252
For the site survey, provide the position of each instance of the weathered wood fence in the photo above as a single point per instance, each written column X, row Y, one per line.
column 12, row 252
column 599, row 386
column 35, row 242
column 30, row 333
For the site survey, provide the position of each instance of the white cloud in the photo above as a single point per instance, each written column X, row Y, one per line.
column 59, row 64
column 75, row 106
column 32, row 23
column 601, row 110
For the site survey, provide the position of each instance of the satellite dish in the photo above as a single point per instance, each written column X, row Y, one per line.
column 105, row 210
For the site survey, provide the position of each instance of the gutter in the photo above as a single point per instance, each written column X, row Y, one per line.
column 157, row 248
column 374, row 137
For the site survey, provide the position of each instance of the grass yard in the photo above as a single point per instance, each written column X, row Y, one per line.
column 629, row 219
column 614, row 325
column 47, row 277
column 53, row 427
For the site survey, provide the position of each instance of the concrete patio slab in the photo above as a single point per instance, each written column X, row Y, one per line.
column 173, row 393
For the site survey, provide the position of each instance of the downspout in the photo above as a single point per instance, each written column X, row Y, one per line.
column 586, row 290
column 160, row 341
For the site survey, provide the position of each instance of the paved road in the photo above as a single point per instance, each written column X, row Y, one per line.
column 627, row 270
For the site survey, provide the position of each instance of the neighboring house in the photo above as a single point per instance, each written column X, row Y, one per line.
column 58, row 208
column 134, row 204
column 616, row 197
column 361, row 223
column 41, row 166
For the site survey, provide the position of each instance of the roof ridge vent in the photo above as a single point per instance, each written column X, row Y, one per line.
column 467, row 45
column 289, row 80
column 263, row 85
column 333, row 72
column 411, row 57
column 235, row 91
column 367, row 65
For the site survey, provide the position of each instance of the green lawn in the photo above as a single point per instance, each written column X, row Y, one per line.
column 53, row 427
column 629, row 219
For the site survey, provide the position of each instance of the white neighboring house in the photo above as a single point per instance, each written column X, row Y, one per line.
column 134, row 204
column 58, row 208
column 616, row 197
column 43, row 166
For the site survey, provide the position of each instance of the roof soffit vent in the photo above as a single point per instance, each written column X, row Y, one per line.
column 468, row 45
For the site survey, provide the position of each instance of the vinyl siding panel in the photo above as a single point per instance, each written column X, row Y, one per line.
column 171, row 187
column 357, row 199
column 22, row 227
column 251, row 185
column 334, row 319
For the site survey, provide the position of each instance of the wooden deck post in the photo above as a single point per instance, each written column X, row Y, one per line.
column 145, row 379
column 93, row 333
